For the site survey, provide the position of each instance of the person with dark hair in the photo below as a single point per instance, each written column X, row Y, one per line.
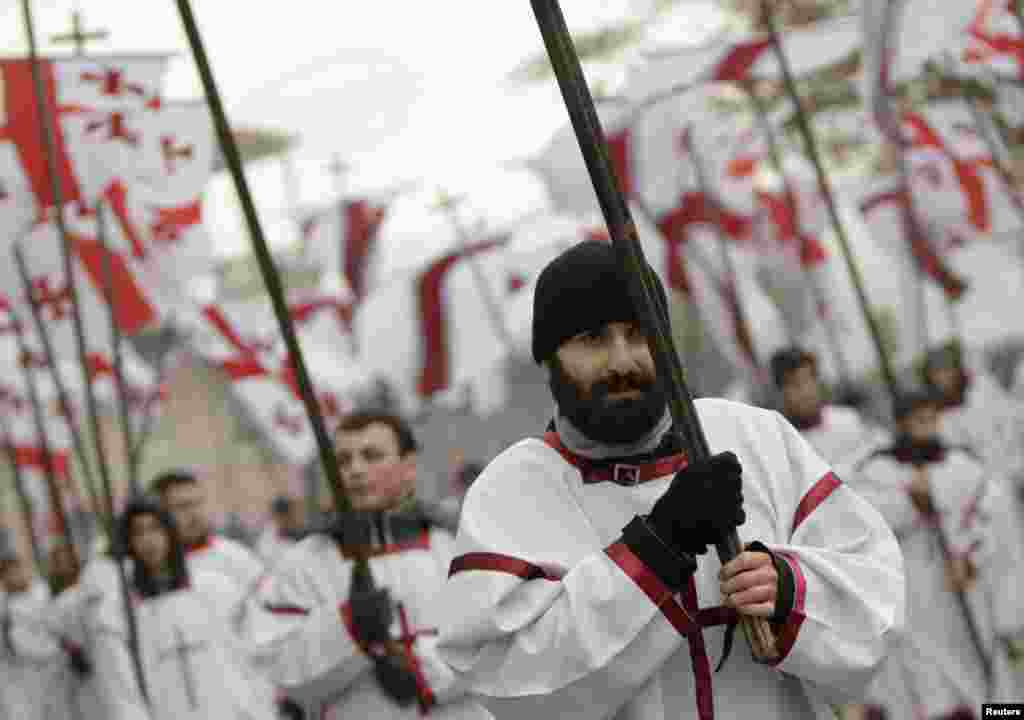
column 183, row 495
column 191, row 663
column 29, row 656
column 286, row 527
column 583, row 585
column 342, row 649
column 839, row 434
column 928, row 490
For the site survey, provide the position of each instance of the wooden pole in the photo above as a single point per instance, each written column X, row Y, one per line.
column 22, row 493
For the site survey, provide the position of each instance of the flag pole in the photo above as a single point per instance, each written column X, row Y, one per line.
column 732, row 295
column 49, row 471
column 641, row 285
column 274, row 287
column 134, row 485
column 884, row 363
column 22, row 493
column 788, row 193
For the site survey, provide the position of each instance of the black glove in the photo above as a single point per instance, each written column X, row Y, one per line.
column 288, row 709
column 79, row 662
column 397, row 682
column 703, row 504
column 372, row 615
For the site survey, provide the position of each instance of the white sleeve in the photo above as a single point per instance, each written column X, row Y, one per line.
column 534, row 634
column 882, row 484
column 848, row 607
column 31, row 637
column 304, row 642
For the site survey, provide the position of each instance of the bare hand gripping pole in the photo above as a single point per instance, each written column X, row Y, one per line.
column 642, row 290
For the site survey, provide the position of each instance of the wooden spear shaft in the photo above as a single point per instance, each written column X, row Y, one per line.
column 641, row 283
column 22, row 493
column 811, row 143
column 272, row 281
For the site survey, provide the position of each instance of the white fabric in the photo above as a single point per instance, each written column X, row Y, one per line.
column 271, row 545
column 592, row 643
column 937, row 660
column 68, row 619
column 29, row 667
column 190, row 659
column 309, row 651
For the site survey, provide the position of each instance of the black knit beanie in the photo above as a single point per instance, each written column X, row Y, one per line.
column 582, row 290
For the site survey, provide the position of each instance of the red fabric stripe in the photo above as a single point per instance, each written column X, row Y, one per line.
column 359, row 227
column 786, row 638
column 243, row 368
column 495, row 562
column 620, row 149
column 435, row 373
column 673, row 231
column 24, row 128
column 425, row 695
column 815, row 497
column 639, row 573
column 116, row 195
column 28, row 456
column 648, row 471
column 738, row 61
column 171, row 221
column 285, row 609
column 215, row 317
column 699, row 659
column 132, row 309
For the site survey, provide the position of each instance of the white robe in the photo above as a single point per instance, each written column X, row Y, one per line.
column 549, row 615
column 191, row 663
column 302, row 629
column 29, row 666
column 272, row 545
column 68, row 620
column 936, row 670
column 232, row 559
column 842, row 438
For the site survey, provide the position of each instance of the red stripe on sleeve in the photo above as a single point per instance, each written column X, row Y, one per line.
column 495, row 562
column 285, row 609
column 815, row 497
column 639, row 573
column 786, row 638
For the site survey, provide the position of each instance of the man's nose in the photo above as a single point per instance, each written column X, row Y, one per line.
column 620, row 355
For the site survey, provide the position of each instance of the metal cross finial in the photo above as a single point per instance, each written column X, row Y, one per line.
column 78, row 35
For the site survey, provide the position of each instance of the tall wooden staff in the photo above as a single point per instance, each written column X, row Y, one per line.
column 885, row 365
column 641, row 283
column 789, row 195
column 272, row 281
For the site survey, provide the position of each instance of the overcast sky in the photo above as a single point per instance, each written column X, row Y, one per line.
column 403, row 90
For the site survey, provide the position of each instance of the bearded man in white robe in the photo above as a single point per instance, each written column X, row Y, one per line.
column 345, row 647
column 940, row 501
column 582, row 585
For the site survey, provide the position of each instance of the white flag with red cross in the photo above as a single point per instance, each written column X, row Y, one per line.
column 341, row 239
column 242, row 339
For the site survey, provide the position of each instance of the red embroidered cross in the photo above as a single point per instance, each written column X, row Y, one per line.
column 118, row 129
column 111, row 82
column 57, row 300
column 425, row 695
column 171, row 152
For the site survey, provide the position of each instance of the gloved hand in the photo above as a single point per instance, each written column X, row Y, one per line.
column 288, row 709
column 79, row 662
column 396, row 680
column 703, row 503
column 372, row 615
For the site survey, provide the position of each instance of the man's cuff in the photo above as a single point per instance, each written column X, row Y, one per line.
column 672, row 566
column 785, row 588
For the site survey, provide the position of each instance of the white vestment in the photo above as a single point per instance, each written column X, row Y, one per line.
column 303, row 631
column 937, row 669
column 29, row 657
column 549, row 615
column 223, row 556
column 191, row 662
column 842, row 438
column 272, row 544
column 68, row 619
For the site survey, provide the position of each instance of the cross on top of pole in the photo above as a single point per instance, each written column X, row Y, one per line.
column 78, row 35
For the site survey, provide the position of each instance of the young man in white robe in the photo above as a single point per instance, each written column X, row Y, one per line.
column 183, row 495
column 345, row 649
column 29, row 655
column 582, row 585
column 840, row 435
column 190, row 662
column 939, row 501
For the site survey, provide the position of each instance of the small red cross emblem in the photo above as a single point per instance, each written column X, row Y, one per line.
column 57, row 300
column 118, row 129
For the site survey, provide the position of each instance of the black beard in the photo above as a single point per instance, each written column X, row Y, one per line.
column 617, row 422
